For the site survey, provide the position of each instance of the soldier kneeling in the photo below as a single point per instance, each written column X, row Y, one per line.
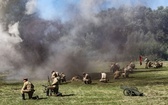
column 76, row 78
column 87, row 78
column 126, row 71
column 28, row 88
column 117, row 74
column 104, row 77
column 63, row 77
column 54, row 87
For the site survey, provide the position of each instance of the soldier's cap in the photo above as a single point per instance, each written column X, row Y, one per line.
column 25, row 79
column 52, row 71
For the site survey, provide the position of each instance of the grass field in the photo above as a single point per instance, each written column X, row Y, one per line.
column 152, row 82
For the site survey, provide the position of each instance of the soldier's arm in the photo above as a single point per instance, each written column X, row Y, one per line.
column 55, row 81
column 24, row 86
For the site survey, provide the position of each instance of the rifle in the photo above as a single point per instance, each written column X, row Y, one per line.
column 131, row 91
column 49, row 83
column 45, row 86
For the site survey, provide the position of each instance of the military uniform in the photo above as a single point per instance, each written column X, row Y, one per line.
column 117, row 74
column 28, row 87
column 132, row 65
column 87, row 78
column 54, row 87
column 126, row 72
column 53, row 75
column 63, row 77
column 158, row 64
column 114, row 67
column 76, row 78
column 146, row 63
column 103, row 77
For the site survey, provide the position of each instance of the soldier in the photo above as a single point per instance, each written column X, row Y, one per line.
column 87, row 78
column 57, row 75
column 158, row 64
column 117, row 74
column 146, row 62
column 103, row 77
column 53, row 75
column 132, row 66
column 114, row 67
column 54, row 87
column 140, row 60
column 76, row 78
column 150, row 64
column 126, row 71
column 63, row 77
column 28, row 88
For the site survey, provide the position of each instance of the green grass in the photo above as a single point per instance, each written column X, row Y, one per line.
column 152, row 82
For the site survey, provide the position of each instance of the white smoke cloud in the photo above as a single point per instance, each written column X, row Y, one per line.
column 31, row 7
column 8, row 55
column 13, row 29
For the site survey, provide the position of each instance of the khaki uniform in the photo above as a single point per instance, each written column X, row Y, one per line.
column 132, row 65
column 87, row 79
column 126, row 71
column 117, row 74
column 103, row 77
column 28, row 87
column 63, row 77
column 54, row 87
column 76, row 78
column 150, row 64
column 146, row 63
column 114, row 67
column 158, row 64
column 53, row 75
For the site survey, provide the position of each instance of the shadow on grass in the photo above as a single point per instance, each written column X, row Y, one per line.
column 65, row 95
column 92, row 84
column 40, row 98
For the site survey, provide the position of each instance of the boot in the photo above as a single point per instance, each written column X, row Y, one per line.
column 47, row 92
column 23, row 97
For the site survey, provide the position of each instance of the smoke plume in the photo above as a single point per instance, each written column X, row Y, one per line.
column 37, row 39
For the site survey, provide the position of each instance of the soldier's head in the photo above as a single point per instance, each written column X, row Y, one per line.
column 55, row 75
column 52, row 71
column 84, row 73
column 25, row 79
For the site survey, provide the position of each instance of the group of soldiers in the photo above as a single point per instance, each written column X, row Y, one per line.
column 114, row 69
column 155, row 64
column 58, row 78
column 52, row 88
column 124, row 72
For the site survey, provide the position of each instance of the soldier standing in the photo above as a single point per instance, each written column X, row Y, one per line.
column 140, row 60
column 146, row 62
column 28, row 87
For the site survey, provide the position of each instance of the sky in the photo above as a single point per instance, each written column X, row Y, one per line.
column 51, row 9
